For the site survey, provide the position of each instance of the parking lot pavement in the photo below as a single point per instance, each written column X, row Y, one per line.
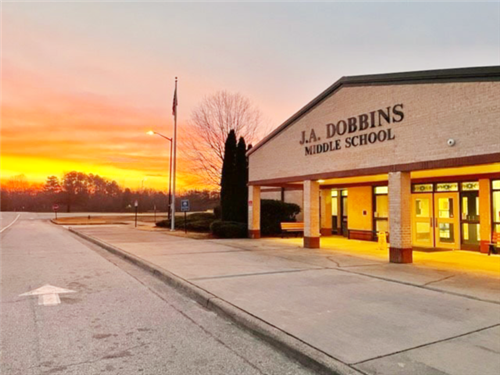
column 378, row 324
column 112, row 316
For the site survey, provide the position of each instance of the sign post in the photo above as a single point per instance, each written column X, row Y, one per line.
column 136, row 205
column 185, row 209
column 55, row 207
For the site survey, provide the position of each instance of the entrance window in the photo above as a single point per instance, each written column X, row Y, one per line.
column 381, row 190
column 335, row 210
column 381, row 209
column 335, row 198
column 423, row 231
column 423, row 208
column 446, row 214
column 453, row 186
column 469, row 216
column 446, row 232
column 470, row 233
column 445, row 208
column 422, row 188
column 470, row 206
column 470, row 186
column 343, row 207
column 496, row 205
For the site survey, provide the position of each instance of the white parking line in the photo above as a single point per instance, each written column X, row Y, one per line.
column 8, row 226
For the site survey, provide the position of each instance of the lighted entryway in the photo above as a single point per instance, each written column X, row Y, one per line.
column 449, row 260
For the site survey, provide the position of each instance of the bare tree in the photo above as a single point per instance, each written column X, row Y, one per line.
column 211, row 122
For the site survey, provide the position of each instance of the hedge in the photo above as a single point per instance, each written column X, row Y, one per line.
column 197, row 222
column 228, row 229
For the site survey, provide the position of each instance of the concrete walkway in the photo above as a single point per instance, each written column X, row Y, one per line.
column 375, row 317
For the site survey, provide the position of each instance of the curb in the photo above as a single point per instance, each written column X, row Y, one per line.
column 292, row 346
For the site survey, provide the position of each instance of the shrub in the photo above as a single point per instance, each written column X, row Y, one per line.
column 197, row 222
column 228, row 229
column 274, row 212
column 199, row 216
column 218, row 212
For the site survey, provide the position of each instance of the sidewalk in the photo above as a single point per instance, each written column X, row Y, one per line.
column 372, row 316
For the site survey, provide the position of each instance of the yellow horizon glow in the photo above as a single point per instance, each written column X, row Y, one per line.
column 34, row 170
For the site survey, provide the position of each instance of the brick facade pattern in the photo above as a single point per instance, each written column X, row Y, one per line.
column 467, row 112
column 400, row 210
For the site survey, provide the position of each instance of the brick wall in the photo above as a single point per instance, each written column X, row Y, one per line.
column 400, row 210
column 433, row 113
column 311, row 209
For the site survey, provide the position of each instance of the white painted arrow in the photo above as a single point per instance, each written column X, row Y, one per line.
column 48, row 295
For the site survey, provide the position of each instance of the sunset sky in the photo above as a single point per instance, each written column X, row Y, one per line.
column 83, row 82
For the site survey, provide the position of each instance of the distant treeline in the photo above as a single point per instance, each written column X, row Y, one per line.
column 80, row 192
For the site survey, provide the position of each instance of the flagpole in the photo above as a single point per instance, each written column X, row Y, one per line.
column 174, row 110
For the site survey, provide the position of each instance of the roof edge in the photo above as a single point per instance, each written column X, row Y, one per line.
column 474, row 74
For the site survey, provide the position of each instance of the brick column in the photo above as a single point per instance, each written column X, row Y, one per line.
column 400, row 250
column 254, row 211
column 326, row 212
column 484, row 214
column 311, row 214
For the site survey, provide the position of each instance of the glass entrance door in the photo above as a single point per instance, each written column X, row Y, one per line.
column 343, row 206
column 470, row 220
column 422, row 233
column 447, row 220
column 335, row 211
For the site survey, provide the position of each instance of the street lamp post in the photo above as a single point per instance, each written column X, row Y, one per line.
column 151, row 132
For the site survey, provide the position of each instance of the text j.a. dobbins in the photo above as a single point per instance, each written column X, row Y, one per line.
column 371, row 122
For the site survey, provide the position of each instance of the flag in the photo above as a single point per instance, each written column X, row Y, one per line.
column 174, row 104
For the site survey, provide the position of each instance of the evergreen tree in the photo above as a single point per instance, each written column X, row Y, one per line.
column 242, row 181
column 228, row 179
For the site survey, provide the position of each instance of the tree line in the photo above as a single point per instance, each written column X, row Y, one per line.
column 81, row 192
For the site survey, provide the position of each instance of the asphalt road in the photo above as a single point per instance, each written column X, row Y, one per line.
column 119, row 320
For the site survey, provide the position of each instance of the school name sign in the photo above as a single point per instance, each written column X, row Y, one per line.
column 361, row 130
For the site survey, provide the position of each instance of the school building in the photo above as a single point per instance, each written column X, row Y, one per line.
column 415, row 155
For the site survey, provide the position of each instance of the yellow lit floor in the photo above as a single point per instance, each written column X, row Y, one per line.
column 456, row 260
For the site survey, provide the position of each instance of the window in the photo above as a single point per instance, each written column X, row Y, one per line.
column 381, row 189
column 448, row 186
column 445, row 208
column 470, row 186
column 423, row 188
column 344, row 206
column 381, row 209
column 423, row 208
column 381, row 206
column 335, row 206
column 496, row 205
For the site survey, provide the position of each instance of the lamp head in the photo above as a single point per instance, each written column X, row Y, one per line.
column 151, row 132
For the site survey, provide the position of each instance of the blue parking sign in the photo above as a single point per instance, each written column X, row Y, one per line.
column 184, row 205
